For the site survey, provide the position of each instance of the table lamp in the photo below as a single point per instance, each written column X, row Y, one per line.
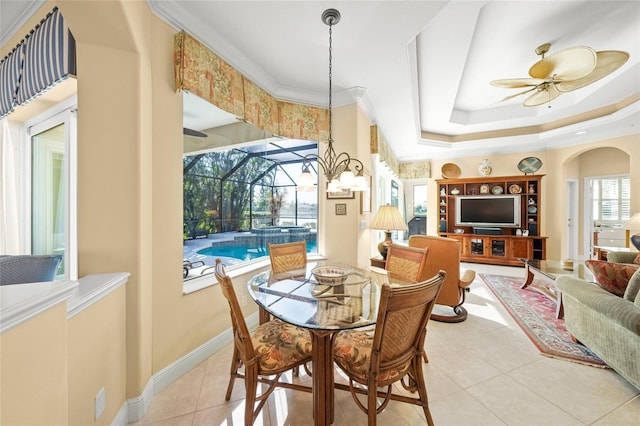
column 387, row 219
column 633, row 224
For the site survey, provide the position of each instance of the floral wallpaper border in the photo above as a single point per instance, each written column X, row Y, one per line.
column 411, row 170
column 203, row 73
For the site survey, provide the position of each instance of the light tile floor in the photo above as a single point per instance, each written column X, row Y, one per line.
column 483, row 371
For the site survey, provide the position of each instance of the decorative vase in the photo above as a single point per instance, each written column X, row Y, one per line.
column 485, row 168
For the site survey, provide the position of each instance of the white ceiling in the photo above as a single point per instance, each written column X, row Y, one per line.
column 421, row 69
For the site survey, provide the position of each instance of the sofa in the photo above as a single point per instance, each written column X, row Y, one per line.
column 623, row 257
column 605, row 322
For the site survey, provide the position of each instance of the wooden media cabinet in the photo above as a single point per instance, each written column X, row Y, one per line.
column 499, row 245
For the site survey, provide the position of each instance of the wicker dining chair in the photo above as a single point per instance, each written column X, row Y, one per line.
column 407, row 262
column 288, row 257
column 272, row 349
column 393, row 354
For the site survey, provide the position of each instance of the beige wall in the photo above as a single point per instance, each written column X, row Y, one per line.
column 33, row 371
column 350, row 134
column 97, row 359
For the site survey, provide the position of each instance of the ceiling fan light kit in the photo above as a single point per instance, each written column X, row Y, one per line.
column 564, row 71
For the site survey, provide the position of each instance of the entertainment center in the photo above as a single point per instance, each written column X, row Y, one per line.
column 496, row 219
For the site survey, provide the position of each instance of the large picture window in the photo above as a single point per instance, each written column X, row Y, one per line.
column 237, row 201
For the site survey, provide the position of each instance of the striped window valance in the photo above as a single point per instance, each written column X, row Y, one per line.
column 42, row 59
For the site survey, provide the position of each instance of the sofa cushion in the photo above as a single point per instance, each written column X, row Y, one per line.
column 636, row 260
column 633, row 287
column 612, row 277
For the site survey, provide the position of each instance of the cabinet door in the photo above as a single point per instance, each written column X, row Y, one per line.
column 521, row 248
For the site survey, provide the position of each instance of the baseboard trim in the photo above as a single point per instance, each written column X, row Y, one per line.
column 136, row 408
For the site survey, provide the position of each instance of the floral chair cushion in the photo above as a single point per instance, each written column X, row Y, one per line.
column 613, row 277
column 279, row 345
column 352, row 353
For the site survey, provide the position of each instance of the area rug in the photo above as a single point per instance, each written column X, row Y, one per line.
column 536, row 315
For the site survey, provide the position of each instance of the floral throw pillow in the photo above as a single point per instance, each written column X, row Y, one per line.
column 612, row 277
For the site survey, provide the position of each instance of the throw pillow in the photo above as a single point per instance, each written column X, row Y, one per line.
column 637, row 259
column 633, row 287
column 613, row 277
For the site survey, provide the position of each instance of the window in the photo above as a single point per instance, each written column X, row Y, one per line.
column 238, row 200
column 419, row 200
column 50, row 225
column 610, row 199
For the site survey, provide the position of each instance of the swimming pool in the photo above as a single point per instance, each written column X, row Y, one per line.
column 245, row 253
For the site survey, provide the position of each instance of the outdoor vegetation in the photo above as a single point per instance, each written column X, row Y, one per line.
column 236, row 191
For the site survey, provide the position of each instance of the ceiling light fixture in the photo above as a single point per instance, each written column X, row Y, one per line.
column 335, row 167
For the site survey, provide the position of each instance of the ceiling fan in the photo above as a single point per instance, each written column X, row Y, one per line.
column 190, row 132
column 564, row 71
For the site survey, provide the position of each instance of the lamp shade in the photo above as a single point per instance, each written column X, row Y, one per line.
column 633, row 224
column 388, row 218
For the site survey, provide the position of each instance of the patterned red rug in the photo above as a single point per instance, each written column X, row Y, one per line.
column 536, row 315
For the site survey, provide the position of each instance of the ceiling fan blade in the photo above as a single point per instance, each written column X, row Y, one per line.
column 517, row 94
column 568, row 64
column 608, row 62
column 542, row 96
column 514, row 83
column 195, row 133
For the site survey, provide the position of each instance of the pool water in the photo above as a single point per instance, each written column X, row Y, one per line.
column 243, row 252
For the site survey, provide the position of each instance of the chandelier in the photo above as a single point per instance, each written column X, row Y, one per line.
column 335, row 167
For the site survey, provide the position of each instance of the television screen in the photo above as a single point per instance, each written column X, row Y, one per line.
column 499, row 211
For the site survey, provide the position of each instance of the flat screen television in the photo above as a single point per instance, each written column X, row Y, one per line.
column 488, row 211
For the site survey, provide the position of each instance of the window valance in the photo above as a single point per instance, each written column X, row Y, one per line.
column 42, row 59
column 410, row 170
column 378, row 145
column 200, row 71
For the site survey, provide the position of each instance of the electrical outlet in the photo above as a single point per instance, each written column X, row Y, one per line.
column 101, row 402
column 243, row 300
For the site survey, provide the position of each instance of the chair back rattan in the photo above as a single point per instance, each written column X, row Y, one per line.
column 402, row 321
column 407, row 262
column 288, row 256
column 394, row 353
column 241, row 335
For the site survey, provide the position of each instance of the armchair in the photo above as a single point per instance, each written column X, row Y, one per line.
column 444, row 253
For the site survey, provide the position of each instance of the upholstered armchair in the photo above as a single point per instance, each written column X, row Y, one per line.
column 21, row 269
column 444, row 254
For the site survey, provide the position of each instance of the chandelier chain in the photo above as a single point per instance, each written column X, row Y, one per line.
column 330, row 75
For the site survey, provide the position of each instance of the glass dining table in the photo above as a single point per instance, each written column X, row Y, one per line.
column 297, row 298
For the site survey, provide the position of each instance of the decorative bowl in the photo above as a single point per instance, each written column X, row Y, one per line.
column 450, row 171
column 330, row 275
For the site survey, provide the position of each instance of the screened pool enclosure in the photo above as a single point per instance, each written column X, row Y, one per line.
column 249, row 189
